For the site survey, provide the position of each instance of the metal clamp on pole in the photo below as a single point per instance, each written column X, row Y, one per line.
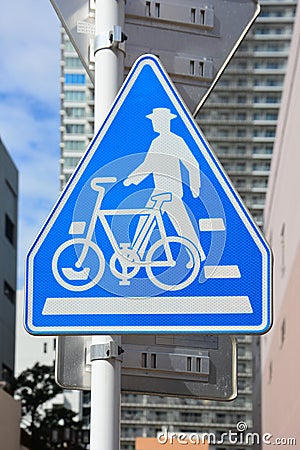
column 107, row 350
column 110, row 39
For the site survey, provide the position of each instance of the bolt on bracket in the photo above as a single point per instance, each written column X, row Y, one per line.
column 107, row 350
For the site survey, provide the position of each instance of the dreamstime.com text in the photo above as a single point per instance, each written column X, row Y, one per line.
column 239, row 436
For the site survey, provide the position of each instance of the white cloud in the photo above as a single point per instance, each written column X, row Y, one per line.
column 29, row 36
column 29, row 113
column 34, row 146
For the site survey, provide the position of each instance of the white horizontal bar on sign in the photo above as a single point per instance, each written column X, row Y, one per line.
column 222, row 272
column 148, row 305
column 212, row 224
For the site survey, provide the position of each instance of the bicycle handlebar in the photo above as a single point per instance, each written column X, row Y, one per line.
column 96, row 183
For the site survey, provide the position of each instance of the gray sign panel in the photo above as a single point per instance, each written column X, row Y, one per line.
column 184, row 366
column 194, row 39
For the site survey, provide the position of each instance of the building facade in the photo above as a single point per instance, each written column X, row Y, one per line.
column 10, row 416
column 8, row 262
column 239, row 121
column 280, row 358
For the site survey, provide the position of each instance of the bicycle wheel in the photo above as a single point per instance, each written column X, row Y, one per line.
column 178, row 273
column 68, row 274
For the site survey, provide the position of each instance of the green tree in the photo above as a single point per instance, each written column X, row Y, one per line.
column 58, row 429
column 34, row 387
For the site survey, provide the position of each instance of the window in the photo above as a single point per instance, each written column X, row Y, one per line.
column 202, row 16
column 242, row 367
column 260, row 183
column 282, row 242
column 283, row 332
column 45, row 347
column 222, row 150
column 86, row 416
column 273, row 65
column 262, row 150
column 74, row 78
column 241, row 132
column 220, row 418
column 242, row 99
column 9, row 229
column 201, row 69
column 160, row 416
column 270, row 371
column 153, row 361
column 71, row 162
column 189, row 416
column 271, row 116
column 242, row 65
column 74, row 145
column 261, row 167
column 241, row 166
column 240, row 182
column 272, row 100
column 270, row 133
column 241, row 149
column 148, row 10
column 75, row 96
column 241, row 350
column 224, row 82
column 273, row 83
column 193, row 15
column 86, row 397
column 73, row 62
column 9, row 292
column 241, row 384
column 192, row 67
column 75, row 128
column 223, row 99
column 75, row 112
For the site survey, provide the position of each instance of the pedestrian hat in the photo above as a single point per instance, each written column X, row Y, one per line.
column 161, row 113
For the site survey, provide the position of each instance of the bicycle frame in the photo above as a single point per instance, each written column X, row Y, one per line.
column 139, row 244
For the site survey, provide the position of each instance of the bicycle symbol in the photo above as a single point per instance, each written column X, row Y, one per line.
column 171, row 262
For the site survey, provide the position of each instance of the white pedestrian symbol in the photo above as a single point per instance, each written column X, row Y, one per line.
column 172, row 262
column 163, row 160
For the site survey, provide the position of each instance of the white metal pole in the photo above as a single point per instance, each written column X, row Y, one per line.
column 109, row 62
column 106, row 373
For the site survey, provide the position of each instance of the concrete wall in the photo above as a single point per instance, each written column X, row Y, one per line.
column 10, row 413
column 280, row 353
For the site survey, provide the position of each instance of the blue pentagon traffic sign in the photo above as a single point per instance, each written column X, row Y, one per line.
column 149, row 234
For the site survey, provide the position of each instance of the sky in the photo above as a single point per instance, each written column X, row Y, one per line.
column 29, row 110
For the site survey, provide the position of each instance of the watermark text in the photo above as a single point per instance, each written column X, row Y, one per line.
column 239, row 436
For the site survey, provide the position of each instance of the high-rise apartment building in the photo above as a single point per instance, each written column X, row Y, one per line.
column 239, row 120
column 240, row 116
column 8, row 262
